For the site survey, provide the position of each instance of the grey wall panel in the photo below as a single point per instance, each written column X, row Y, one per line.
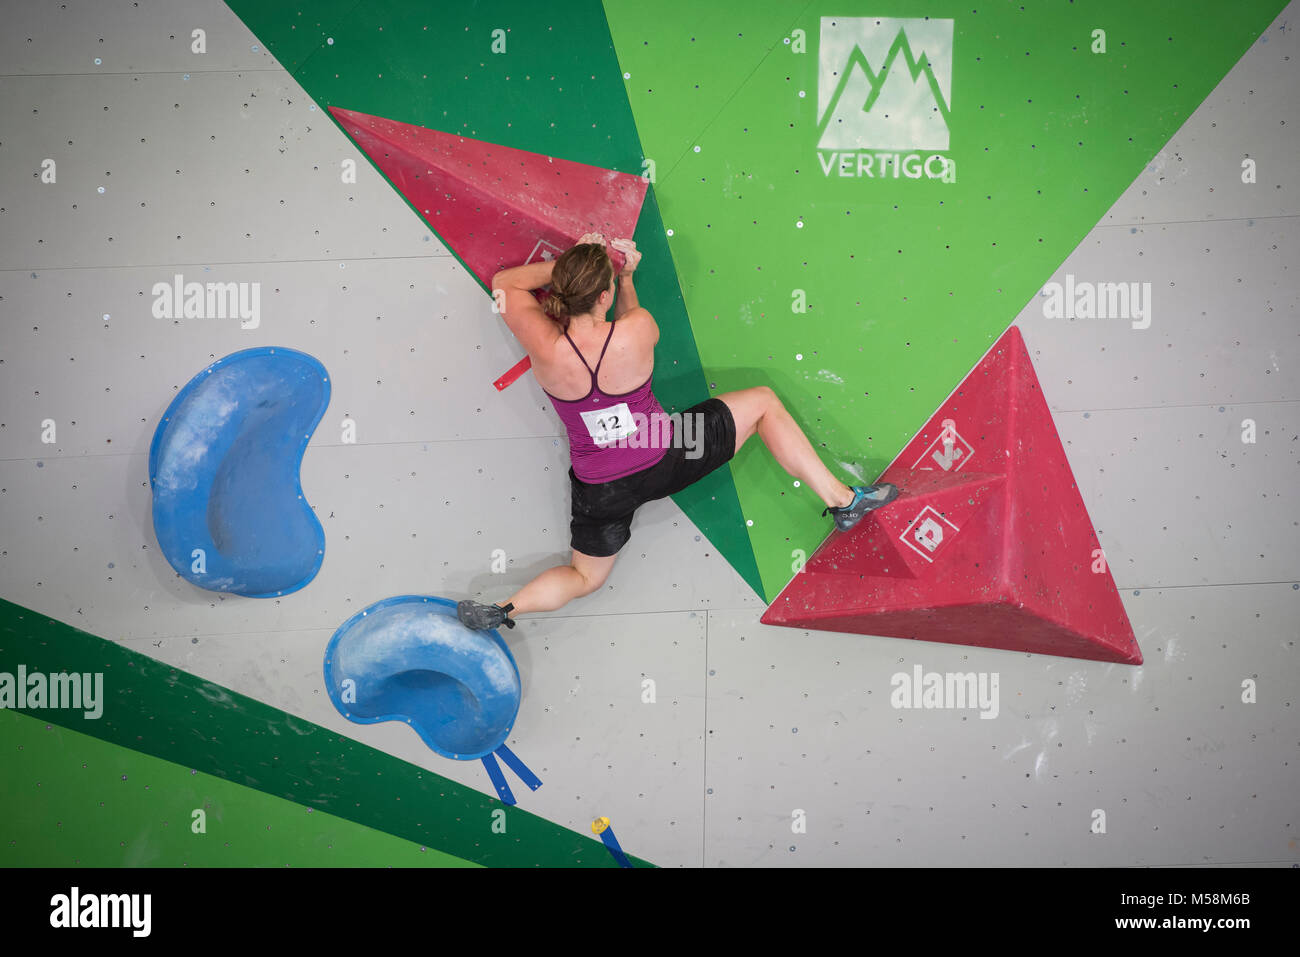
column 146, row 35
column 1178, row 498
column 407, row 361
column 611, row 750
column 418, row 518
column 220, row 168
column 1224, row 318
column 1183, row 769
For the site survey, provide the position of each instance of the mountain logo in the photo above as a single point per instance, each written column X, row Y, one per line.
column 885, row 84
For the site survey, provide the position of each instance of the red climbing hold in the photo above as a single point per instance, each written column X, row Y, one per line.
column 988, row 543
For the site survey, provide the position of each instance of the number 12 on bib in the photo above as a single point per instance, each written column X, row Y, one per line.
column 606, row 426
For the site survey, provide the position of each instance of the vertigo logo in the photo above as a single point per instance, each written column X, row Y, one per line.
column 884, row 96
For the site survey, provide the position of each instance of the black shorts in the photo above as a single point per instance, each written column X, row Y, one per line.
column 602, row 513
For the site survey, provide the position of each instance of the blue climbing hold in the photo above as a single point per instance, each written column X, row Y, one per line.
column 410, row 659
column 224, row 463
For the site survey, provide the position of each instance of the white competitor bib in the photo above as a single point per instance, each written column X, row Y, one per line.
column 610, row 424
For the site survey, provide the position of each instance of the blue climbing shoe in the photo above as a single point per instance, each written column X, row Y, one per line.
column 483, row 617
column 865, row 498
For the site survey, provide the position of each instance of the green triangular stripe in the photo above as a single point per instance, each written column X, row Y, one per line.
column 70, row 800
column 170, row 714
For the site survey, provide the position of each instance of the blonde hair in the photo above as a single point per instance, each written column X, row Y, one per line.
column 580, row 275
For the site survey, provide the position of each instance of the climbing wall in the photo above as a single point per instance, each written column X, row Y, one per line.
column 1159, row 153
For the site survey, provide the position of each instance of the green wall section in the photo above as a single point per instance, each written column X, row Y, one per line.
column 557, row 90
column 908, row 282
column 75, row 801
column 177, row 717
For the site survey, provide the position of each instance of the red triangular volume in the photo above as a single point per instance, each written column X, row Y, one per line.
column 988, row 543
column 495, row 206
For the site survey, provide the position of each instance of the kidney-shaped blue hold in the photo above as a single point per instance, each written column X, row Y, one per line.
column 228, row 507
column 410, row 659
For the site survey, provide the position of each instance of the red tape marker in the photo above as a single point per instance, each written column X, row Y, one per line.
column 518, row 369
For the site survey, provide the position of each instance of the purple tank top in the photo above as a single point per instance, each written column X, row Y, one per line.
column 611, row 436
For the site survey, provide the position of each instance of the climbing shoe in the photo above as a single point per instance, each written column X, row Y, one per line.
column 483, row 617
column 865, row 498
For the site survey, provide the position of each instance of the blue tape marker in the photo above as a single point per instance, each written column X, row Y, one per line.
column 498, row 779
column 512, row 761
column 611, row 842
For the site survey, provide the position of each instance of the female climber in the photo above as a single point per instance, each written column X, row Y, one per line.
column 603, row 406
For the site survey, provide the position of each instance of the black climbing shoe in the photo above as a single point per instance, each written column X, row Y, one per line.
column 865, row 498
column 483, row 617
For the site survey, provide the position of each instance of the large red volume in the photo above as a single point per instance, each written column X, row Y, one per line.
column 496, row 206
column 988, row 543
